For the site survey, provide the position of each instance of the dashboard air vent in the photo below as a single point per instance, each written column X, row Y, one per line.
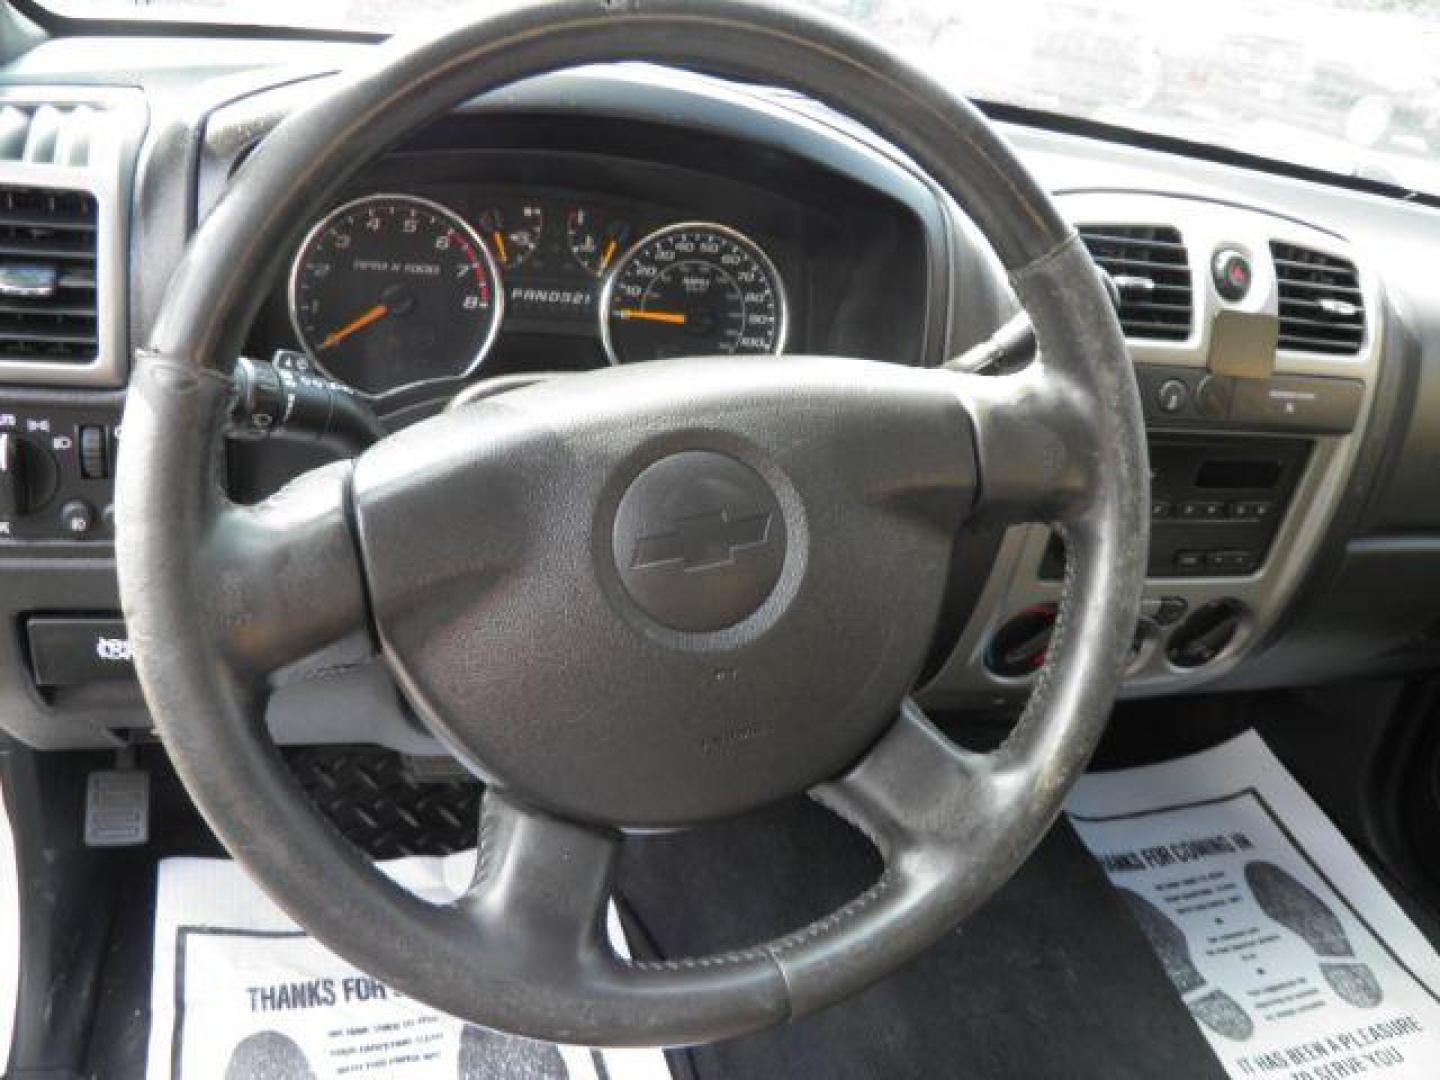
column 47, row 275
column 1321, row 308
column 1149, row 266
column 49, row 134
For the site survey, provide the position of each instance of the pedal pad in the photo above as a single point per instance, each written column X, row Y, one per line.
column 117, row 808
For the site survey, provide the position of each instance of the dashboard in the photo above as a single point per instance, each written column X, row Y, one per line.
column 1286, row 337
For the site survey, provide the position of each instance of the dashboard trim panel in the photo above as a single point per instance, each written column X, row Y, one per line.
column 108, row 177
column 1016, row 582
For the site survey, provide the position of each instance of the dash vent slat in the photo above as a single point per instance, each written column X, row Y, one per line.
column 45, row 134
column 1321, row 306
column 1149, row 265
column 48, row 309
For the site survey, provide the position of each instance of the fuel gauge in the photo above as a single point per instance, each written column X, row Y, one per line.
column 513, row 240
column 596, row 242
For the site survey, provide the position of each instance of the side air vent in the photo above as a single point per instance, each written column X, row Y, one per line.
column 49, row 134
column 47, row 275
column 1321, row 307
column 1149, row 266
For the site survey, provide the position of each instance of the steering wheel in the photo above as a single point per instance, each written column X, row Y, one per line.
column 645, row 597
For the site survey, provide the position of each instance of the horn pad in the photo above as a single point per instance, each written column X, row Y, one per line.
column 654, row 595
column 699, row 540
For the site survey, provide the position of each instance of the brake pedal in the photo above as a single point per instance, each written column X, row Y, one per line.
column 117, row 807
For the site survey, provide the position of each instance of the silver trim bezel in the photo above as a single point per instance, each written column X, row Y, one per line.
column 109, row 179
column 782, row 337
column 1014, row 581
column 456, row 219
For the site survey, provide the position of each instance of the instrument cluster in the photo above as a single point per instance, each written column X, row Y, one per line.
column 390, row 291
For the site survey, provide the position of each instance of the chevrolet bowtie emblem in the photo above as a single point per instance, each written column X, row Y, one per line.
column 702, row 541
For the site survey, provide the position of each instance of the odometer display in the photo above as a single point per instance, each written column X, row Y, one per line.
column 692, row 290
column 390, row 290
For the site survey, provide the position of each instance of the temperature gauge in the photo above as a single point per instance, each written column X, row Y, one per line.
column 513, row 240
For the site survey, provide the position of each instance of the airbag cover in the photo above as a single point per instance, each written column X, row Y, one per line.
column 658, row 594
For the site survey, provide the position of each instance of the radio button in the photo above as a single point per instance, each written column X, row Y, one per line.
column 1252, row 510
column 1171, row 396
column 1232, row 560
column 1202, row 510
column 1189, row 560
column 1212, row 397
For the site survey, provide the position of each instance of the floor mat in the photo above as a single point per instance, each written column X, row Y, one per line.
column 9, row 936
column 1051, row 979
column 239, row 992
column 1294, row 960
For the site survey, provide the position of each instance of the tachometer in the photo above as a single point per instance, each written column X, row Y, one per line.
column 694, row 289
column 392, row 290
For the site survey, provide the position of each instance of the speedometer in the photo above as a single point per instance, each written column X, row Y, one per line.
column 694, row 289
column 390, row 290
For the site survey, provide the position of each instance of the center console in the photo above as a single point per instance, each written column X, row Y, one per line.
column 1256, row 343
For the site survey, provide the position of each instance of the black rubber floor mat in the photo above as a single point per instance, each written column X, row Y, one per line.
column 1052, row 978
column 375, row 799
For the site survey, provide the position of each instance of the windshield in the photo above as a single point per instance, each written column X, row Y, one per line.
column 1346, row 86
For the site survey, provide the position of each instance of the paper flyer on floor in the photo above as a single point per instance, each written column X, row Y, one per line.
column 240, row 993
column 1294, row 960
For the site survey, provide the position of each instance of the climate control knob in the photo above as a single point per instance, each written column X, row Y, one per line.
column 1019, row 647
column 1206, row 633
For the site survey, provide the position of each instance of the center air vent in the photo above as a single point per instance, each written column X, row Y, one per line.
column 47, row 275
column 1149, row 266
column 1321, row 307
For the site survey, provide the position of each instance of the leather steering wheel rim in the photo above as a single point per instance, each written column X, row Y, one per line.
column 217, row 596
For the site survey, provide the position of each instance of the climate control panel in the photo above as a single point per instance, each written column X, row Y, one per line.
column 57, row 465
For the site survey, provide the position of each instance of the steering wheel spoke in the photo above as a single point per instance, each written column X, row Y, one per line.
column 540, row 889
column 916, row 791
column 283, row 577
column 1034, row 444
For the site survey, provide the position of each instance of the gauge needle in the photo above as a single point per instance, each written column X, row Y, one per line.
column 610, row 249
column 374, row 315
column 499, row 239
column 674, row 318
